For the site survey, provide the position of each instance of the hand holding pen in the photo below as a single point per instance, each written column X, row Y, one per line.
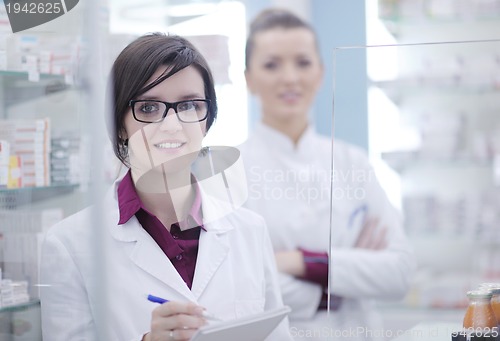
column 205, row 313
column 174, row 320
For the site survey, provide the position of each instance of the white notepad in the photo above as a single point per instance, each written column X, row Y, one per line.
column 249, row 328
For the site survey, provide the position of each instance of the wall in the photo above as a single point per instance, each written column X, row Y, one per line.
column 341, row 24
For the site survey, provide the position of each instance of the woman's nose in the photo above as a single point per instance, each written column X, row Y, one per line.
column 290, row 73
column 171, row 122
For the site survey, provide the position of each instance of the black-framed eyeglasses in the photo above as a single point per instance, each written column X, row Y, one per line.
column 151, row 111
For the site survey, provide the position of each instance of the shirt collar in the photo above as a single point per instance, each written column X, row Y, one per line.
column 195, row 212
column 129, row 202
column 283, row 142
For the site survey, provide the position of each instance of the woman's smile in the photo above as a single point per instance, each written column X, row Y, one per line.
column 170, row 145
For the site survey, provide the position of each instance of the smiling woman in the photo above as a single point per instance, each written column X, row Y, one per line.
column 162, row 144
column 324, row 215
column 284, row 75
column 162, row 232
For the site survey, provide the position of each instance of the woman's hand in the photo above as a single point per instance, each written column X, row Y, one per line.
column 372, row 236
column 175, row 321
column 291, row 262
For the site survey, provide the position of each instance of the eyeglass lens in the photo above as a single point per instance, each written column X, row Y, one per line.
column 187, row 111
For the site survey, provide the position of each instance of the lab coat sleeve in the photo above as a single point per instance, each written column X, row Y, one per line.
column 382, row 274
column 272, row 290
column 302, row 296
column 65, row 309
column 362, row 274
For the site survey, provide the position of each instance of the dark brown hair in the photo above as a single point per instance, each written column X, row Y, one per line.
column 273, row 18
column 136, row 64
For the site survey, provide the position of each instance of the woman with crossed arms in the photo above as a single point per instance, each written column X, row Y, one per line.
column 288, row 172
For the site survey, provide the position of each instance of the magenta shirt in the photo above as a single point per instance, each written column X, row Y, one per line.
column 317, row 271
column 181, row 247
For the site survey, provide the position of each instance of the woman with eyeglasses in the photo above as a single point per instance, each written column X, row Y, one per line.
column 157, row 232
column 289, row 171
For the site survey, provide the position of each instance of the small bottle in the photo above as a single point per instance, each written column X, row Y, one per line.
column 479, row 318
column 494, row 289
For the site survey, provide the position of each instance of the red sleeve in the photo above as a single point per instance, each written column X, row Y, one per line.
column 316, row 267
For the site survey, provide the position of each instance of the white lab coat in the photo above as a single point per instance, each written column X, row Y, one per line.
column 290, row 186
column 96, row 274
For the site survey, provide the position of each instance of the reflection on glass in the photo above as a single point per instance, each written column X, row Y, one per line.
column 434, row 124
column 44, row 169
column 55, row 157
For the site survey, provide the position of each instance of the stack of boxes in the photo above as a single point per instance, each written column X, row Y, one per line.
column 13, row 292
column 4, row 163
column 41, row 54
column 65, row 160
column 26, row 144
column 29, row 157
column 21, row 236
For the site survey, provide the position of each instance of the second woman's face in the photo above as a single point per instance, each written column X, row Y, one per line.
column 170, row 143
column 284, row 72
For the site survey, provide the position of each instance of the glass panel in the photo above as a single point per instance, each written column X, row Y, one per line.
column 288, row 165
column 101, row 261
column 44, row 150
column 433, row 127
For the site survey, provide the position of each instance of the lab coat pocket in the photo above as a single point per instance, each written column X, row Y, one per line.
column 248, row 307
column 348, row 222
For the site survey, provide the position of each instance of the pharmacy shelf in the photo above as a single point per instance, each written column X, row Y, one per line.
column 446, row 94
column 21, row 86
column 438, row 20
column 396, row 23
column 21, row 322
column 401, row 161
column 23, row 79
column 438, row 86
column 26, row 75
column 21, row 306
column 57, row 188
column 27, row 195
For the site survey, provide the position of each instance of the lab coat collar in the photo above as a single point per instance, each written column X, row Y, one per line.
column 213, row 246
column 129, row 202
column 212, row 251
column 148, row 256
column 282, row 142
column 144, row 252
column 213, row 213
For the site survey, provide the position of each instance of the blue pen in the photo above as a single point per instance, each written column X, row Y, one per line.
column 156, row 299
column 360, row 211
column 160, row 300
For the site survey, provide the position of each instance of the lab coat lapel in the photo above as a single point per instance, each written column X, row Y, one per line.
column 213, row 250
column 214, row 241
column 146, row 254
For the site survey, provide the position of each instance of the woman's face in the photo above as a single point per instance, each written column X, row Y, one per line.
column 169, row 145
column 284, row 72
